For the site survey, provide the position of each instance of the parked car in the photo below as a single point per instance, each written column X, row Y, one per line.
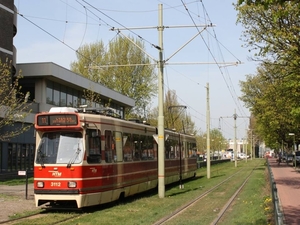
column 289, row 158
column 242, row 156
column 297, row 154
column 283, row 157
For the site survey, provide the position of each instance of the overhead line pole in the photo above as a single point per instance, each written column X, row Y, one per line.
column 207, row 132
column 160, row 65
column 161, row 130
column 234, row 139
column 234, row 144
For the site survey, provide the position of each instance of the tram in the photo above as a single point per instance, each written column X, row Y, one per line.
column 85, row 157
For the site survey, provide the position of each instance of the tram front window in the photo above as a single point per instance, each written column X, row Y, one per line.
column 60, row 147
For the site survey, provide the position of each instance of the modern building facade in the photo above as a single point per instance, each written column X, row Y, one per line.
column 49, row 85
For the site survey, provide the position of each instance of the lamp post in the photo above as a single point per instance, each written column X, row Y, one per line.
column 293, row 134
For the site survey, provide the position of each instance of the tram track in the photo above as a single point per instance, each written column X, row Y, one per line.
column 169, row 218
column 40, row 215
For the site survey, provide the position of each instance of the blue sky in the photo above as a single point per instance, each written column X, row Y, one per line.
column 52, row 30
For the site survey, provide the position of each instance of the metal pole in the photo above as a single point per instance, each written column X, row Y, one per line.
column 234, row 144
column 207, row 133
column 295, row 152
column 246, row 147
column 26, row 189
column 161, row 139
column 180, row 164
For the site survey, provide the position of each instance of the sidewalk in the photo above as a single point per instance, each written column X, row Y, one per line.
column 287, row 180
column 18, row 190
column 13, row 200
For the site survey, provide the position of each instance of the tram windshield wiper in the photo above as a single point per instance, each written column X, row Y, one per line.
column 72, row 160
column 40, row 157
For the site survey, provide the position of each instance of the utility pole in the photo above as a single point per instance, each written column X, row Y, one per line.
column 246, row 144
column 234, row 143
column 160, row 65
column 207, row 132
column 234, row 139
column 161, row 130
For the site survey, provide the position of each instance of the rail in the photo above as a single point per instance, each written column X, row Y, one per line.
column 278, row 214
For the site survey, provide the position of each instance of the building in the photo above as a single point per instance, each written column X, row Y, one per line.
column 8, row 27
column 241, row 146
column 52, row 85
column 49, row 85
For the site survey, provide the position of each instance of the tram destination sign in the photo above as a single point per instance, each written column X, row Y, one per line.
column 57, row 120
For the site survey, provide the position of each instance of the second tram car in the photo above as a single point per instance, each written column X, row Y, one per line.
column 84, row 158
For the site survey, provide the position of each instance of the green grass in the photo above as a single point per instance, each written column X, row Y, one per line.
column 18, row 181
column 251, row 207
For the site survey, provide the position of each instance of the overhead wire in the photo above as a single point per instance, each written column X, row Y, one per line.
column 230, row 87
column 135, row 34
column 107, row 24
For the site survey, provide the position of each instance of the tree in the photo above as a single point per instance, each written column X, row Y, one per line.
column 175, row 116
column 128, row 70
column 271, row 102
column 272, row 94
column 217, row 141
column 13, row 104
column 273, row 34
column 265, row 3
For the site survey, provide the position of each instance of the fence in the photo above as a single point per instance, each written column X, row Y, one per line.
column 279, row 218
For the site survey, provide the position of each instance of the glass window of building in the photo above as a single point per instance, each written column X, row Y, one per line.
column 49, row 92
column 56, row 94
column 63, row 95
column 75, row 98
column 69, row 97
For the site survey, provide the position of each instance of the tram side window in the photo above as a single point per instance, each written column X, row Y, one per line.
column 93, row 146
column 176, row 145
column 118, row 151
column 193, row 149
column 183, row 149
column 169, row 149
column 172, row 149
column 127, row 147
column 137, row 147
column 146, row 147
column 108, row 146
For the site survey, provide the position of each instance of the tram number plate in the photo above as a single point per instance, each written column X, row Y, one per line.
column 55, row 184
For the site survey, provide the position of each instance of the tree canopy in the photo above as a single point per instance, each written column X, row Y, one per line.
column 121, row 66
column 272, row 94
column 13, row 104
column 265, row 3
column 175, row 116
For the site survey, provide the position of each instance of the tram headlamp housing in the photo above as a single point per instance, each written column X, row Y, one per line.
column 40, row 184
column 72, row 184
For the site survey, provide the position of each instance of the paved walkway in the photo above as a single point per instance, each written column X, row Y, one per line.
column 18, row 190
column 287, row 180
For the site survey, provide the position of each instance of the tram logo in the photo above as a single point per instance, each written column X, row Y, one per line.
column 94, row 170
column 55, row 173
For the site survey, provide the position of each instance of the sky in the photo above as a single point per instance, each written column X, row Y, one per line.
column 52, row 31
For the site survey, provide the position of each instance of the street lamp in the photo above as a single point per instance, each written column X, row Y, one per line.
column 293, row 134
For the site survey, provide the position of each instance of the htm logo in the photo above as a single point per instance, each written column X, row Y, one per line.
column 55, row 173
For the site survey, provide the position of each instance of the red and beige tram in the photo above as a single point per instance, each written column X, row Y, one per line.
column 84, row 158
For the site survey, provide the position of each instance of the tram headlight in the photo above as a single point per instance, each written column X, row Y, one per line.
column 40, row 184
column 72, row 184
